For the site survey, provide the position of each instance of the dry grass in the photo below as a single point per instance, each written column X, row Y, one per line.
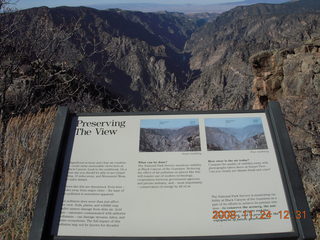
column 24, row 148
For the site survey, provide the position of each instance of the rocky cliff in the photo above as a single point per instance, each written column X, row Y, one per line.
column 221, row 49
column 292, row 77
column 151, row 61
column 132, row 55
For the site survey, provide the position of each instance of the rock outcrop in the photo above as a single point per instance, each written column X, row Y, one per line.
column 292, row 77
column 221, row 49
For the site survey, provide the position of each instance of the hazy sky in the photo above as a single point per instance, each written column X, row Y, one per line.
column 21, row 4
column 232, row 122
column 168, row 123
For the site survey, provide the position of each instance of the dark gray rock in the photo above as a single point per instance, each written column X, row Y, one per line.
column 222, row 48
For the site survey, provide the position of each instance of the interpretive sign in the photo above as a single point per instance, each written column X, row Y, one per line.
column 201, row 175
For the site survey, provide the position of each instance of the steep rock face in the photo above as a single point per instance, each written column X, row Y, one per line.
column 143, row 58
column 221, row 49
column 131, row 54
column 292, row 77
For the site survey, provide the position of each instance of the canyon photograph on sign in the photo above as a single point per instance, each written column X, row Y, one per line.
column 172, row 135
column 235, row 134
column 154, row 56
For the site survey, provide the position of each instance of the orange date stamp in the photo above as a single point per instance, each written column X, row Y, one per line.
column 254, row 214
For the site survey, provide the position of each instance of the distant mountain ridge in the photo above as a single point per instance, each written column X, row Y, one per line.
column 189, row 8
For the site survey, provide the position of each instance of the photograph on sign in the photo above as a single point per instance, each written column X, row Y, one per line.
column 169, row 135
column 235, row 134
